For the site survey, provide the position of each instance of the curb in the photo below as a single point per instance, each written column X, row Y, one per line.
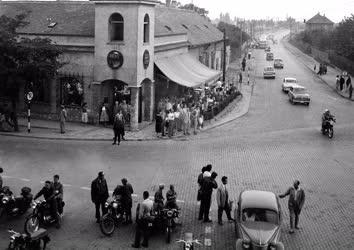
column 319, row 77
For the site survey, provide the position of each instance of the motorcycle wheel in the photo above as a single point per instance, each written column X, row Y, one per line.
column 107, row 225
column 31, row 224
column 330, row 133
column 168, row 234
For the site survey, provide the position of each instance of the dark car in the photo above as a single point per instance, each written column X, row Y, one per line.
column 257, row 221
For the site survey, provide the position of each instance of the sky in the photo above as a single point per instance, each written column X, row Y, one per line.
column 335, row 10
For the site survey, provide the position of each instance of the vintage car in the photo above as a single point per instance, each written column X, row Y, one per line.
column 278, row 63
column 298, row 94
column 269, row 72
column 269, row 56
column 288, row 82
column 258, row 218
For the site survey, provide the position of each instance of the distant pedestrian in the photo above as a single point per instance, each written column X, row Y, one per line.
column 62, row 118
column 104, row 118
column 348, row 82
column 350, row 90
column 99, row 194
column 240, row 77
column 341, row 83
column 208, row 185
column 118, row 127
column 243, row 64
column 337, row 82
column 127, row 200
column 314, row 68
column 84, row 114
column 1, row 183
column 295, row 203
column 222, row 198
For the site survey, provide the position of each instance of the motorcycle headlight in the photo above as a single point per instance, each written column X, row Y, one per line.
column 170, row 213
column 115, row 205
column 106, row 204
column 246, row 243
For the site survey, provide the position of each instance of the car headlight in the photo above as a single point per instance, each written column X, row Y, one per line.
column 115, row 205
column 106, row 204
column 169, row 213
column 246, row 243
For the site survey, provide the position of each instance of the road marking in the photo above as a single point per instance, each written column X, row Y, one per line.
column 7, row 177
column 207, row 242
column 85, row 188
column 24, row 179
column 208, row 230
column 66, row 185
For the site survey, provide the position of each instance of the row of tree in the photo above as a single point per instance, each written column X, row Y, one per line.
column 24, row 61
column 340, row 40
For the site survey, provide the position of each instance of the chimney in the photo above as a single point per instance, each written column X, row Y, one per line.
column 168, row 3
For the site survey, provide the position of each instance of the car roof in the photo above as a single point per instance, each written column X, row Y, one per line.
column 278, row 59
column 259, row 199
column 297, row 86
column 290, row 78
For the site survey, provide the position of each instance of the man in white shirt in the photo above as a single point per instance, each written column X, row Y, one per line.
column 171, row 123
column 222, row 198
column 143, row 220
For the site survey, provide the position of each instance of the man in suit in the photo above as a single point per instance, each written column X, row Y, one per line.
column 295, row 203
column 208, row 185
column 127, row 200
column 99, row 194
column 222, row 199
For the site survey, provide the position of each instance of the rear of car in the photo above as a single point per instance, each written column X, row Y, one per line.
column 269, row 56
column 269, row 72
column 278, row 63
column 298, row 94
column 258, row 220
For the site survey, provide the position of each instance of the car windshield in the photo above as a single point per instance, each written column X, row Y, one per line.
column 260, row 214
column 278, row 60
column 299, row 91
column 290, row 80
column 268, row 69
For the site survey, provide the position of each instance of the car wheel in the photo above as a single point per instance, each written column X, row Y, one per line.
column 279, row 246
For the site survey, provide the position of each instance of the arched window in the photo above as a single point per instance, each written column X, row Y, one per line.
column 116, row 27
column 146, row 28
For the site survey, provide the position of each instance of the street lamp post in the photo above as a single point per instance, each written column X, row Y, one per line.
column 224, row 58
column 29, row 98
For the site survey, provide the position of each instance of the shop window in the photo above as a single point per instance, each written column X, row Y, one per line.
column 72, row 91
column 146, row 28
column 116, row 27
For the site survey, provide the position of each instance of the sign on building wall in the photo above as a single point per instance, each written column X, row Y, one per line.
column 115, row 59
column 146, row 59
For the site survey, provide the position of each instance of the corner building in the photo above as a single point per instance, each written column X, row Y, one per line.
column 115, row 50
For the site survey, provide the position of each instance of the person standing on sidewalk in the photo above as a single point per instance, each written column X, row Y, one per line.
column 341, row 83
column 295, row 204
column 118, row 127
column 222, row 199
column 62, row 119
column 99, row 194
column 337, row 82
column 348, row 82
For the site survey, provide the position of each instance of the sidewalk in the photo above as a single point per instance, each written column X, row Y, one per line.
column 310, row 62
column 46, row 129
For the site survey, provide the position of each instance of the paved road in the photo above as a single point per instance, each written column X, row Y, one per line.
column 266, row 149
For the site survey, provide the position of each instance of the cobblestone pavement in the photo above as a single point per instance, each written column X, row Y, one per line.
column 270, row 146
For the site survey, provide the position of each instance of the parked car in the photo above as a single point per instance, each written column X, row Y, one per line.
column 258, row 219
column 269, row 72
column 269, row 56
column 278, row 63
column 288, row 82
column 298, row 94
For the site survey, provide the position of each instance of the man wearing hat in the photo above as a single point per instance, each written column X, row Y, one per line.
column 99, row 194
column 62, row 119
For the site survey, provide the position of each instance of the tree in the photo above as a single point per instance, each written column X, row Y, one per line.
column 343, row 38
column 23, row 60
column 190, row 6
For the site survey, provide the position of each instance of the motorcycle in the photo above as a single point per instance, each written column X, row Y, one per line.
column 327, row 128
column 188, row 242
column 169, row 216
column 41, row 215
column 15, row 206
column 35, row 241
column 113, row 217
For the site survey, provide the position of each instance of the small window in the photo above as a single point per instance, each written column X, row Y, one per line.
column 146, row 28
column 116, row 27
column 167, row 27
column 206, row 26
column 184, row 26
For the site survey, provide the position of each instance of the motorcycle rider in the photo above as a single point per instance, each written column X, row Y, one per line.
column 171, row 197
column 49, row 195
column 159, row 199
column 326, row 117
column 59, row 193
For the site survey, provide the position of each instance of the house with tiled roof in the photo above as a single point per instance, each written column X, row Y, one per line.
column 133, row 50
column 319, row 22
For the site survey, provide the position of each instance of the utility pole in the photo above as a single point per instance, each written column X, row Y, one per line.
column 241, row 40
column 224, row 58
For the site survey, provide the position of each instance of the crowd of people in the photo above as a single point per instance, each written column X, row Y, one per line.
column 183, row 114
column 344, row 85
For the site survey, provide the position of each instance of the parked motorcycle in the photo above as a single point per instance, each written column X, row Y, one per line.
column 327, row 129
column 188, row 242
column 113, row 217
column 41, row 215
column 15, row 206
column 35, row 241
